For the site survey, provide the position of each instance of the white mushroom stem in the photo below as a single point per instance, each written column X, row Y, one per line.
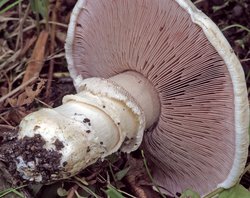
column 105, row 115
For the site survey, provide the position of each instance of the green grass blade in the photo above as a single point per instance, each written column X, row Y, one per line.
column 113, row 193
column 3, row 2
column 150, row 176
column 12, row 190
column 9, row 7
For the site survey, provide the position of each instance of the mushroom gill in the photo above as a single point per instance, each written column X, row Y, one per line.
column 193, row 143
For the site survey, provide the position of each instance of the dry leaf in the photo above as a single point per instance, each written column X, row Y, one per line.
column 28, row 96
column 31, row 92
column 37, row 59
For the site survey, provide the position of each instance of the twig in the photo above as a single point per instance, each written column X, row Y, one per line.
column 21, row 87
column 24, row 30
column 215, row 192
column 33, row 26
column 236, row 25
column 85, row 188
column 56, row 23
column 46, row 105
column 52, row 47
column 7, row 126
column 17, row 77
column 198, row 1
column 20, row 34
column 247, row 168
column 59, row 75
column 8, row 81
column 244, row 60
column 10, row 67
column 6, row 121
column 11, row 59
column 53, row 56
column 72, row 191
column 5, row 19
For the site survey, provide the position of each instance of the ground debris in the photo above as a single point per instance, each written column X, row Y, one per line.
column 29, row 154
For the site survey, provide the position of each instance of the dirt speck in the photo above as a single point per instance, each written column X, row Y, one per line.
column 59, row 144
column 86, row 120
column 36, row 127
column 88, row 131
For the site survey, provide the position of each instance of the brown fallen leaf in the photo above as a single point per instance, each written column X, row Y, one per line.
column 17, row 90
column 28, row 96
column 37, row 59
column 18, row 102
column 32, row 93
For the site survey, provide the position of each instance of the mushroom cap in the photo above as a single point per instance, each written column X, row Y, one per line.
column 201, row 138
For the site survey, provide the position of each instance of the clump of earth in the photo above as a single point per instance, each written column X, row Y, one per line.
column 29, row 153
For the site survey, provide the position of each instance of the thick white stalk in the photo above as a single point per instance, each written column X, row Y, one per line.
column 104, row 116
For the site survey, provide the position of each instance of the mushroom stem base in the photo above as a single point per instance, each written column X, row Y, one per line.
column 104, row 116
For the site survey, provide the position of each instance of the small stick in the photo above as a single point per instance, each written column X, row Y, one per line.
column 72, row 191
column 7, row 126
column 21, row 87
column 6, row 121
column 20, row 34
column 52, row 47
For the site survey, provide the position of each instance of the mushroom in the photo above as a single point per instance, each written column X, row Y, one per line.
column 155, row 73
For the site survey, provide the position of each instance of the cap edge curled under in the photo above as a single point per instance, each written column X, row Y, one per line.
column 219, row 42
column 80, row 4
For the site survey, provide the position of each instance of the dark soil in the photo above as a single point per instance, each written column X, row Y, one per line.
column 37, row 159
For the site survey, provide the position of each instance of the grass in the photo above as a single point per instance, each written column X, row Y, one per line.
column 236, row 26
column 150, row 176
column 8, row 7
column 12, row 190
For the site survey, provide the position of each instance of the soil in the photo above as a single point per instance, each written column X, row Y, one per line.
column 31, row 151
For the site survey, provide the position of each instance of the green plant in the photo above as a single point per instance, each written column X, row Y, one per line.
column 190, row 194
column 8, row 7
column 113, row 193
column 237, row 191
column 12, row 190
column 40, row 7
column 150, row 176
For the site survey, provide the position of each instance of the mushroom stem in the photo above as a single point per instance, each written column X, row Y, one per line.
column 143, row 92
column 105, row 115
